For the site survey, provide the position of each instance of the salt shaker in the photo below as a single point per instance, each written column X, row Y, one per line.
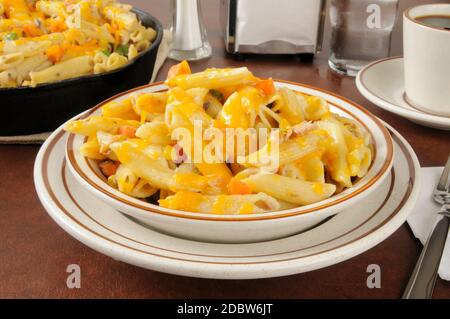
column 189, row 39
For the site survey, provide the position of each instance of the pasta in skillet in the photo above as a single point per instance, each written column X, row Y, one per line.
column 140, row 152
column 52, row 40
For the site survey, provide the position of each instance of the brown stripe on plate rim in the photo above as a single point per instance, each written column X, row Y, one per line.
column 396, row 210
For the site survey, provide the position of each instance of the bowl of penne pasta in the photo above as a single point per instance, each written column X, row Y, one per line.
column 224, row 156
column 59, row 58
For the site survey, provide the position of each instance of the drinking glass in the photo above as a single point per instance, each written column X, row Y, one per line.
column 189, row 39
column 361, row 33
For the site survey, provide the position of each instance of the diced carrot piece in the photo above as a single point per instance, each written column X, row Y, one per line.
column 178, row 69
column 31, row 30
column 108, row 168
column 55, row 53
column 266, row 86
column 55, row 25
column 128, row 131
column 237, row 187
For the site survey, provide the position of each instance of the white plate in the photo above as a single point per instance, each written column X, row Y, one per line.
column 250, row 227
column 382, row 83
column 106, row 230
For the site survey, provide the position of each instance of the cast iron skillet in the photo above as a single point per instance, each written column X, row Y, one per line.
column 26, row 110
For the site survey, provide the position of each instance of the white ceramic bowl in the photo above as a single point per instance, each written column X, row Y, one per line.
column 240, row 228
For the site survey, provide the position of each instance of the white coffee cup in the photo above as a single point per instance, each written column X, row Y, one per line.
column 427, row 60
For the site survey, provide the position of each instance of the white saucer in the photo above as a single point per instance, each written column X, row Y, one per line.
column 106, row 230
column 382, row 83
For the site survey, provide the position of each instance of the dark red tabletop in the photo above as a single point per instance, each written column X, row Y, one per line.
column 34, row 251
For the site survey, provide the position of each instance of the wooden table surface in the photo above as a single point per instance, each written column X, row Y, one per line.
column 34, row 251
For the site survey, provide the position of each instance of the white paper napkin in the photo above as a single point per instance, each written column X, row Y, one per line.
column 40, row 138
column 163, row 52
column 424, row 216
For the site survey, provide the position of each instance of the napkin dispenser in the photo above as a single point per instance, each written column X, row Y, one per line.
column 273, row 27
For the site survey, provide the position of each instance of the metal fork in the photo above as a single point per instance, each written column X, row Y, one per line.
column 423, row 278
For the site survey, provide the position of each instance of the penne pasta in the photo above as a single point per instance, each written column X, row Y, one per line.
column 62, row 31
column 26, row 48
column 145, row 167
column 149, row 105
column 11, row 60
column 51, row 8
column 291, row 190
column 8, row 78
column 158, row 175
column 91, row 149
column 123, row 110
column 128, row 183
column 261, row 148
column 121, row 14
column 90, row 126
column 335, row 156
column 68, row 69
column 221, row 204
column 155, row 133
column 212, row 79
column 316, row 108
column 293, row 106
column 212, row 105
column 28, row 65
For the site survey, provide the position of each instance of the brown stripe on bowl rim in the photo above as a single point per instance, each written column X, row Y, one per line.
column 257, row 217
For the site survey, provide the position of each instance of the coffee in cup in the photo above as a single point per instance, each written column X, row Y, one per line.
column 427, row 58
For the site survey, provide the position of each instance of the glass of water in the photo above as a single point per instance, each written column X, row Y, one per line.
column 361, row 33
